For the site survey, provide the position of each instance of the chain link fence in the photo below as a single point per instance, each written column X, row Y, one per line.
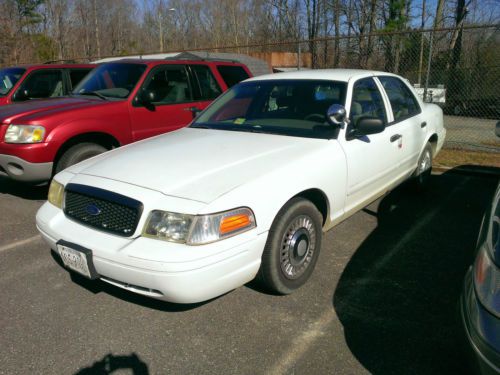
column 457, row 69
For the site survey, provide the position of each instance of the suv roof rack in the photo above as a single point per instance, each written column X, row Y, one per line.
column 63, row 61
column 192, row 56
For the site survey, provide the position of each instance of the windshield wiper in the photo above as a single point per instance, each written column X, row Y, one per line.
column 93, row 93
column 200, row 126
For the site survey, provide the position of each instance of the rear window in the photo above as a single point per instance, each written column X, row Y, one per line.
column 232, row 74
column 76, row 75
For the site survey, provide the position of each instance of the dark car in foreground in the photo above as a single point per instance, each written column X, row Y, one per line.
column 480, row 302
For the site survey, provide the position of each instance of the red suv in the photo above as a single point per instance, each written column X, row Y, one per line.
column 118, row 103
column 21, row 83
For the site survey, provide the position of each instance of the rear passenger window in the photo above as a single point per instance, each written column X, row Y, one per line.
column 366, row 101
column 205, row 81
column 403, row 102
column 232, row 74
column 76, row 76
column 42, row 84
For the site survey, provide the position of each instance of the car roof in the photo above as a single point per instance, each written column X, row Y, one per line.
column 343, row 75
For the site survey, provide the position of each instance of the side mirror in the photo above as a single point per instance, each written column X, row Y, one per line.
column 369, row 125
column 497, row 129
column 336, row 114
column 145, row 98
column 21, row 95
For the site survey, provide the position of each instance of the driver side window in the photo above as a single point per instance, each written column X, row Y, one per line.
column 366, row 102
column 169, row 86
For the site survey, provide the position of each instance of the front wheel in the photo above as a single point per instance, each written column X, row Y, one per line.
column 292, row 247
column 78, row 153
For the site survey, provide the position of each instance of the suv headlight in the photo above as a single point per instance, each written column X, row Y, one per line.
column 200, row 229
column 24, row 134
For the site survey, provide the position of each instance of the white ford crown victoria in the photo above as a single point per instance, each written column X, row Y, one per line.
column 246, row 190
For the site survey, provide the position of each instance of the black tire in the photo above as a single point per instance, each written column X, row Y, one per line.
column 78, row 153
column 424, row 168
column 292, row 247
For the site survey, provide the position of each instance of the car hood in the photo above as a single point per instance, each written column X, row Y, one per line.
column 33, row 109
column 198, row 164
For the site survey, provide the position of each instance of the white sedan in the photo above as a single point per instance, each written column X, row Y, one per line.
column 246, row 190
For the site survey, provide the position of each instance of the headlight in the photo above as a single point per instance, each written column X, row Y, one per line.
column 198, row 230
column 24, row 134
column 168, row 226
column 486, row 272
column 56, row 193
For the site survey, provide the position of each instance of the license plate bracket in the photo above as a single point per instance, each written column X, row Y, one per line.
column 77, row 258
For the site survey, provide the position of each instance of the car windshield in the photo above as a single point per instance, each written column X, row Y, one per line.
column 285, row 107
column 113, row 80
column 8, row 79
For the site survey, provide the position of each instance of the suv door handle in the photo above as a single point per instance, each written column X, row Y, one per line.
column 423, row 124
column 192, row 109
column 395, row 137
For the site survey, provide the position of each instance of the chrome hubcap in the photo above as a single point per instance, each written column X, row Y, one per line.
column 425, row 163
column 297, row 247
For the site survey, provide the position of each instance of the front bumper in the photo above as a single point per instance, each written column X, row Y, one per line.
column 478, row 324
column 168, row 271
column 22, row 170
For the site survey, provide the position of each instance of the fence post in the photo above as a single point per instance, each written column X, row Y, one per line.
column 299, row 58
column 428, row 65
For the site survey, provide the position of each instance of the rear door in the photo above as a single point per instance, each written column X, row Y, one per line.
column 407, row 120
column 177, row 92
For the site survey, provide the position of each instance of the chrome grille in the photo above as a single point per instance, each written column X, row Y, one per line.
column 102, row 209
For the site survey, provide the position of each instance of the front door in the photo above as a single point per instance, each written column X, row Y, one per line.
column 176, row 92
column 372, row 160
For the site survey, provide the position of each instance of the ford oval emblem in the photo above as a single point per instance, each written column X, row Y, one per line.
column 93, row 210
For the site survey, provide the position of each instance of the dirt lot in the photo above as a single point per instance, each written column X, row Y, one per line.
column 383, row 300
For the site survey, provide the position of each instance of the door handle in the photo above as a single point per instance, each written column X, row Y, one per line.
column 192, row 109
column 423, row 124
column 395, row 137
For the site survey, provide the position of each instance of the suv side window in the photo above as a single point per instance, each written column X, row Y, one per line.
column 232, row 74
column 41, row 84
column 76, row 75
column 403, row 102
column 208, row 88
column 169, row 85
column 366, row 101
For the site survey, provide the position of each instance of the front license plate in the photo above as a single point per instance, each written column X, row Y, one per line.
column 77, row 259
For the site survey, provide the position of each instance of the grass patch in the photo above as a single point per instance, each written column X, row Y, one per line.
column 454, row 157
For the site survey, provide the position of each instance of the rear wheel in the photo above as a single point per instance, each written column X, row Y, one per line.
column 78, row 153
column 292, row 247
column 424, row 168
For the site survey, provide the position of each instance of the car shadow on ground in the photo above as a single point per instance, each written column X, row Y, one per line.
column 98, row 286
column 23, row 190
column 111, row 364
column 397, row 298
